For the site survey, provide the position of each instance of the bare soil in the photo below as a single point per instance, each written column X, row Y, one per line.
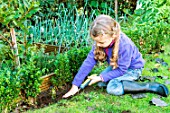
column 43, row 99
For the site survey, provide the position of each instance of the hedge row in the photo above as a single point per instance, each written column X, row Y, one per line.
column 24, row 82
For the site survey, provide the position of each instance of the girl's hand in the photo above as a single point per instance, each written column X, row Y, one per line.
column 74, row 89
column 94, row 79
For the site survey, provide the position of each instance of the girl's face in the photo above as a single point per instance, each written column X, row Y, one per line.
column 104, row 40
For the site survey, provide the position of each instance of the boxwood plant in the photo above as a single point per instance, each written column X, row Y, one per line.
column 67, row 65
column 9, row 87
column 63, row 72
column 76, row 57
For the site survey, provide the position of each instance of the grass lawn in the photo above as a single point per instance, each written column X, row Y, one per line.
column 98, row 101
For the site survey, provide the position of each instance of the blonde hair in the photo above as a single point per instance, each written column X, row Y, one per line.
column 105, row 24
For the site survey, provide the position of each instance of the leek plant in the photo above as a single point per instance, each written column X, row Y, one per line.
column 69, row 28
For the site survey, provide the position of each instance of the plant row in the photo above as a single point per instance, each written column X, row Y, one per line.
column 66, row 23
column 148, row 25
column 24, row 82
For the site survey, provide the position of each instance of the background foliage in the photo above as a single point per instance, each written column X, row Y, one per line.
column 149, row 26
column 14, row 13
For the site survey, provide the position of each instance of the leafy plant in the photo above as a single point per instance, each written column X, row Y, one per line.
column 70, row 28
column 43, row 61
column 14, row 13
column 9, row 88
column 67, row 65
column 5, row 52
column 29, row 73
column 25, row 80
column 30, row 78
column 76, row 57
column 149, row 26
column 46, row 61
column 101, row 7
column 99, row 68
column 63, row 71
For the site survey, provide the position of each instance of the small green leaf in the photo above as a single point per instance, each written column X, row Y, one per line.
column 139, row 11
column 94, row 3
column 104, row 5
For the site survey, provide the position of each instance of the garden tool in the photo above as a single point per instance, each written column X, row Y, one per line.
column 136, row 87
column 86, row 82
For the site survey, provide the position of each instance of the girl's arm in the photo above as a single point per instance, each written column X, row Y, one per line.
column 85, row 68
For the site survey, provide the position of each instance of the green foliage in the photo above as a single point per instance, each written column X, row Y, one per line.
column 14, row 13
column 108, row 7
column 30, row 78
column 149, row 26
column 45, row 61
column 67, row 65
column 5, row 52
column 30, row 74
column 48, row 9
column 99, row 68
column 25, row 80
column 92, row 7
column 100, row 7
column 69, row 28
column 76, row 58
column 63, row 73
column 67, row 24
column 9, row 88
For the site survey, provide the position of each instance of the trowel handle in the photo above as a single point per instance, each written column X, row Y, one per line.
column 86, row 82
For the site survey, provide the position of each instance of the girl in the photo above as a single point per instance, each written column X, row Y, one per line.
column 126, row 62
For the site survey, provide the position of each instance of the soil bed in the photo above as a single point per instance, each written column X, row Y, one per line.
column 43, row 99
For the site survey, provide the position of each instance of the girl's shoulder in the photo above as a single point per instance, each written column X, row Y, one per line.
column 124, row 40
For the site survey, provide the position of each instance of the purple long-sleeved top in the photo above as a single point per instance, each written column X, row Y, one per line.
column 129, row 58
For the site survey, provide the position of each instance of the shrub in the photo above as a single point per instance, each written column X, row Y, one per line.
column 67, row 65
column 76, row 57
column 63, row 72
column 9, row 89
column 5, row 52
column 30, row 78
column 29, row 72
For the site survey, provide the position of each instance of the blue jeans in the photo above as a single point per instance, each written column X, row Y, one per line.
column 115, row 86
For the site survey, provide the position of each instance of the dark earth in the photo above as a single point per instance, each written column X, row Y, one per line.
column 43, row 99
